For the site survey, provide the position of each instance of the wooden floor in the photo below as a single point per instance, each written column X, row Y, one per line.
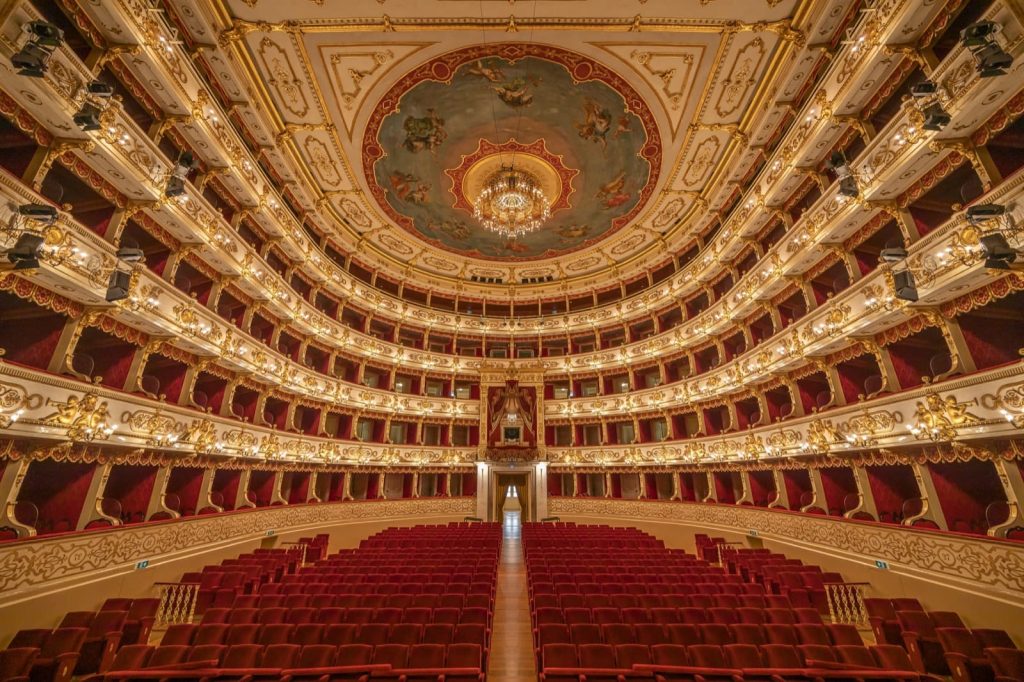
column 511, row 658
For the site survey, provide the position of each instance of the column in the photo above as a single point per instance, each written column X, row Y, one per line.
column 712, row 495
column 311, row 492
column 242, row 495
column 866, row 503
column 817, row 492
column 10, row 485
column 930, row 509
column 483, row 490
column 92, row 510
column 747, row 497
column 205, row 490
column 277, row 498
column 541, row 487
column 781, row 500
column 1013, row 485
column 156, row 498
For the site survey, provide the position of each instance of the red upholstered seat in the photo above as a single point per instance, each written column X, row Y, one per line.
column 684, row 634
column 781, row 656
column 374, row 634
column 965, row 655
column 1008, row 663
column 629, row 655
column 716, row 634
column 437, row 633
column 340, row 633
column 618, row 633
column 650, row 633
column 814, row 653
column 242, row 656
column 856, row 655
column 58, row 655
column 354, row 655
column 743, row 656
column 167, row 655
column 15, row 663
column 745, row 633
column 280, row 656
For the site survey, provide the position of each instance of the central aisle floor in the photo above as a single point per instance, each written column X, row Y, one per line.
column 511, row 658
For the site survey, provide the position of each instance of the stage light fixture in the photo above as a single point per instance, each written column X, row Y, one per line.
column 935, row 117
column 892, row 254
column 981, row 213
column 41, row 213
column 997, row 252
column 25, row 254
column 991, row 59
column 176, row 182
column 33, row 57
column 903, row 283
column 118, row 286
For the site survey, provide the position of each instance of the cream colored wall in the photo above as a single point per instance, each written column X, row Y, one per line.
column 45, row 606
column 978, row 606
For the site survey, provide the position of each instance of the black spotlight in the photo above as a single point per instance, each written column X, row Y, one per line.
column 176, row 183
column 47, row 35
column 903, row 281
column 980, row 38
column 998, row 252
column 980, row 213
column 130, row 254
column 992, row 61
column 893, row 254
column 25, row 254
column 43, row 213
column 99, row 89
column 88, row 117
column 848, row 186
column 935, row 117
column 33, row 57
column 925, row 88
column 31, row 60
column 978, row 34
column 175, row 187
column 117, row 287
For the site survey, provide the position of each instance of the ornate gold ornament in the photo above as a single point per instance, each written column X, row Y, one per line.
column 940, row 419
column 85, row 418
column 14, row 401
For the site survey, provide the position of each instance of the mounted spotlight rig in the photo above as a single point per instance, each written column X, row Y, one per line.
column 848, row 185
column 982, row 39
column 993, row 223
column 96, row 97
column 31, row 220
column 176, row 182
column 41, row 40
column 929, row 99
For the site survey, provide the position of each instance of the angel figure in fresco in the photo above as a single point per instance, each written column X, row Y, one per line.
column 424, row 132
column 455, row 229
column 408, row 187
column 515, row 247
column 570, row 233
column 516, row 92
column 613, row 193
column 596, row 123
column 492, row 73
column 623, row 126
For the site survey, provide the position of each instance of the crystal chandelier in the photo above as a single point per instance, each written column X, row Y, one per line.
column 511, row 203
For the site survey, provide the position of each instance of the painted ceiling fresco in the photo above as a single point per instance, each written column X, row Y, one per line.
column 587, row 126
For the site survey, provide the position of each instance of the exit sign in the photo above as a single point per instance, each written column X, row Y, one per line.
column 270, row 532
column 139, row 565
column 884, row 565
column 752, row 533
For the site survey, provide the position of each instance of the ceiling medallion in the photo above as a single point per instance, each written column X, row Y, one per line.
column 511, row 203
